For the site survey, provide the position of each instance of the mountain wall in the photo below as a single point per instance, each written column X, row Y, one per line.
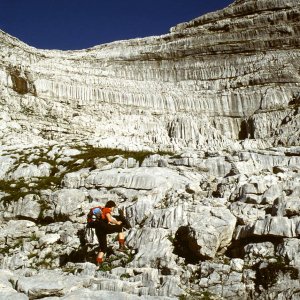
column 194, row 134
column 212, row 82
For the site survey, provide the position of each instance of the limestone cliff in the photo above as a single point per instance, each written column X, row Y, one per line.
column 194, row 134
column 212, row 82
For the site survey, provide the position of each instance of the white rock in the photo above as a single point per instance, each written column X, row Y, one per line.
column 68, row 202
column 237, row 264
column 247, row 213
column 145, row 239
column 138, row 178
column 90, row 295
column 6, row 163
column 28, row 207
column 70, row 152
column 49, row 239
column 204, row 229
column 289, row 249
column 270, row 226
column 7, row 292
column 50, row 283
column 28, row 171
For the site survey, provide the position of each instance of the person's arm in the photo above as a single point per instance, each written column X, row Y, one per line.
column 112, row 220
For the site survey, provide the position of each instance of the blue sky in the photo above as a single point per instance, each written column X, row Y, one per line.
column 79, row 24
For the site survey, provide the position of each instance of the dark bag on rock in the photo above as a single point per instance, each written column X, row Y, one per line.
column 121, row 217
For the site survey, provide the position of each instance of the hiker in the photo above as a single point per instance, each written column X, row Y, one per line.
column 106, row 225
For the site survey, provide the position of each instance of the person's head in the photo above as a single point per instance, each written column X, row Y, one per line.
column 110, row 204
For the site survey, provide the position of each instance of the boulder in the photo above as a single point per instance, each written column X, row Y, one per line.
column 203, row 230
column 7, row 292
column 94, row 294
column 27, row 207
column 15, row 230
column 255, row 252
column 68, row 203
column 6, row 163
column 221, row 280
column 49, row 283
column 270, row 226
column 144, row 239
column 49, row 239
column 290, row 250
column 75, row 180
column 247, row 213
column 30, row 170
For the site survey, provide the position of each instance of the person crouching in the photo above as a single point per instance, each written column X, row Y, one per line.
column 107, row 225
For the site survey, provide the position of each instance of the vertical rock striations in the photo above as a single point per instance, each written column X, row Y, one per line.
column 211, row 82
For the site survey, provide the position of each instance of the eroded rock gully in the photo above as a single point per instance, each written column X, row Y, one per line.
column 195, row 132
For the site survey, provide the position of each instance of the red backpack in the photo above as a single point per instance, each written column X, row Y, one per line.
column 94, row 216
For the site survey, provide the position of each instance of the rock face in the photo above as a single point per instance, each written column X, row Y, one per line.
column 212, row 82
column 195, row 133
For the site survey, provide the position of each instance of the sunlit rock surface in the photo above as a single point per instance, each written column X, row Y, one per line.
column 211, row 82
column 194, row 133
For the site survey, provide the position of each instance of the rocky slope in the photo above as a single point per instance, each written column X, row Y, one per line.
column 196, row 133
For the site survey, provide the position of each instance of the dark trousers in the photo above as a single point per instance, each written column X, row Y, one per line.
column 102, row 229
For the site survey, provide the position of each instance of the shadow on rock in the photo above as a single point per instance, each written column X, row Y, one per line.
column 186, row 246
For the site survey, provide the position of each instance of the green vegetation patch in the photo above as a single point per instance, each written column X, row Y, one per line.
column 89, row 153
column 14, row 190
column 205, row 295
column 125, row 276
column 86, row 159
